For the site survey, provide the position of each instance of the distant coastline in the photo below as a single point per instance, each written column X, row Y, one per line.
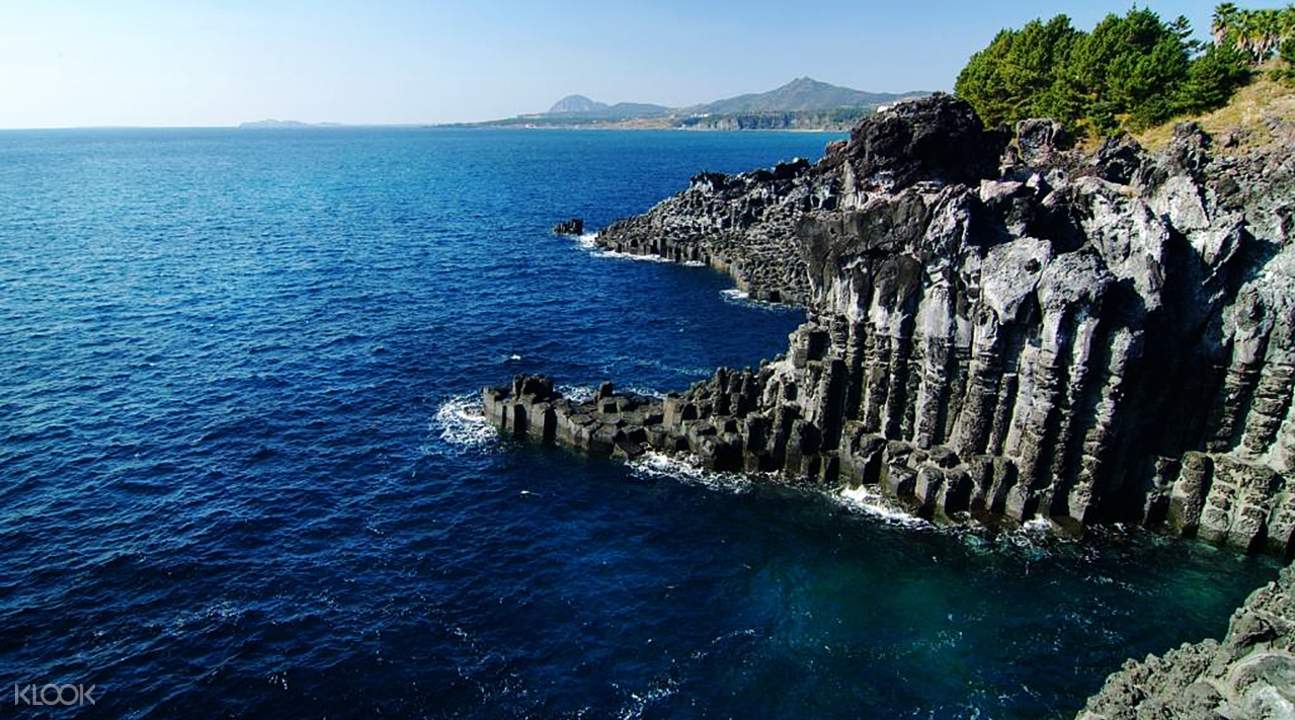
column 730, row 125
column 628, row 127
column 804, row 104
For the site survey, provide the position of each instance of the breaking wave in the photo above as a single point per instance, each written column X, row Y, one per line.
column 869, row 502
column 657, row 466
column 589, row 242
column 460, row 422
column 736, row 296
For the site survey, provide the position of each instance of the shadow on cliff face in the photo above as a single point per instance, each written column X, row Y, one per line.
column 997, row 323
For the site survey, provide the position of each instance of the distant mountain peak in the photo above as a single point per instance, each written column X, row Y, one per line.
column 580, row 106
column 803, row 94
column 576, row 104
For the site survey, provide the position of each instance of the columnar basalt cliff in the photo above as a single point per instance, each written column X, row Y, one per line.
column 996, row 324
column 1009, row 327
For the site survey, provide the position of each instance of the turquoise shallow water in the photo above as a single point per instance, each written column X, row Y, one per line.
column 241, row 477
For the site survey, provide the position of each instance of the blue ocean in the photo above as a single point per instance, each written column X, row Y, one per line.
column 242, row 474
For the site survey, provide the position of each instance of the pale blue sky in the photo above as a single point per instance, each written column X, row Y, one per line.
column 67, row 63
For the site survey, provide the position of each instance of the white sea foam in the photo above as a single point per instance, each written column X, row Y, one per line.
column 645, row 392
column 589, row 241
column 870, row 502
column 585, row 393
column 461, row 423
column 638, row 703
column 1033, row 535
column 735, row 296
column 577, row 393
column 1038, row 526
column 655, row 465
column 631, row 256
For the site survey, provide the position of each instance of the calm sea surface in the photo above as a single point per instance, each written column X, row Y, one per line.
column 239, row 475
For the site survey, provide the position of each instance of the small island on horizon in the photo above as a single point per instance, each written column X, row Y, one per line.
column 273, row 124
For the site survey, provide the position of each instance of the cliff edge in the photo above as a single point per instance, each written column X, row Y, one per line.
column 996, row 324
column 1003, row 325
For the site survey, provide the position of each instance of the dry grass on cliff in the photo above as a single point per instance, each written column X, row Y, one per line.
column 1250, row 112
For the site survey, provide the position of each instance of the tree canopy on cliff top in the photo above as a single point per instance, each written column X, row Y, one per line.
column 1130, row 71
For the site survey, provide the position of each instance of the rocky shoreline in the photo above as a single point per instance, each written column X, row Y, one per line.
column 997, row 323
column 1249, row 674
column 993, row 325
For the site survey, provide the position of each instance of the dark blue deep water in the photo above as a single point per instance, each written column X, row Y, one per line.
column 239, row 475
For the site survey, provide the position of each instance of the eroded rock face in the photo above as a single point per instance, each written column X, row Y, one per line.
column 742, row 225
column 1095, row 339
column 935, row 140
column 1250, row 674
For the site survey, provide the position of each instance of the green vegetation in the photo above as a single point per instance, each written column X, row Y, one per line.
column 1016, row 76
column 1257, row 33
column 1132, row 71
column 1286, row 72
column 1245, row 117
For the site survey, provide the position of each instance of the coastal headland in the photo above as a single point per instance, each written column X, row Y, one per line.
column 999, row 324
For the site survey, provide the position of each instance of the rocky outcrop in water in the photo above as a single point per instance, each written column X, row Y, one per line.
column 574, row 226
column 605, row 425
column 1250, row 674
column 743, row 225
column 996, row 325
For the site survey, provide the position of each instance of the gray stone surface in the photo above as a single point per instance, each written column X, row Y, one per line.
column 1011, row 329
column 1249, row 674
column 1113, row 334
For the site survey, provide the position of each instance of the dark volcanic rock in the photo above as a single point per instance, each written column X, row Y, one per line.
column 738, row 224
column 1039, row 141
column 608, row 424
column 1041, row 147
column 935, row 138
column 574, row 226
column 1105, row 339
column 1100, row 340
column 1013, row 330
column 745, row 224
column 1119, row 159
